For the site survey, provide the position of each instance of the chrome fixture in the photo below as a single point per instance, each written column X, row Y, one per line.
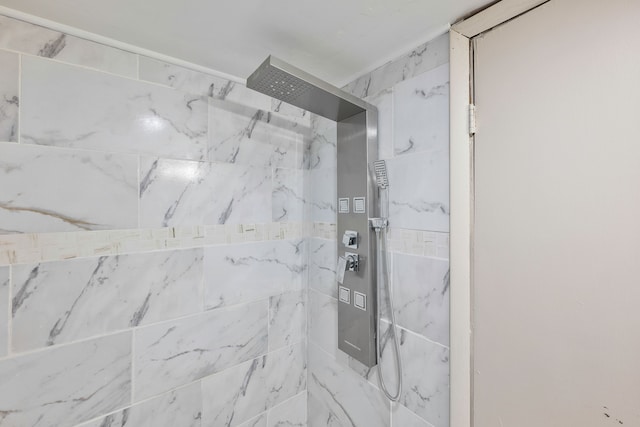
column 357, row 132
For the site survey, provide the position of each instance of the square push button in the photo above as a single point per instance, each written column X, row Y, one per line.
column 359, row 205
column 345, row 294
column 343, row 205
column 360, row 300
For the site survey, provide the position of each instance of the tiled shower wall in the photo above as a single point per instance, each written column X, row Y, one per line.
column 412, row 95
column 152, row 251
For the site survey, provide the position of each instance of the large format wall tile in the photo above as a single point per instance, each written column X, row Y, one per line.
column 244, row 391
column 178, row 408
column 67, row 385
column 346, row 397
column 175, row 353
column 249, row 271
column 288, row 195
column 322, row 152
column 66, row 106
column 424, row 57
column 418, row 193
column 421, row 112
column 181, row 192
column 422, row 296
column 287, row 319
column 51, row 189
column 323, row 256
column 4, row 307
column 94, row 296
column 401, row 416
column 322, row 195
column 259, row 421
column 384, row 102
column 240, row 134
column 35, row 40
column 199, row 83
column 292, row 413
column 318, row 415
column 9, row 71
column 323, row 322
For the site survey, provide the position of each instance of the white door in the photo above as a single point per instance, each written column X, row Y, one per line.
column 556, row 260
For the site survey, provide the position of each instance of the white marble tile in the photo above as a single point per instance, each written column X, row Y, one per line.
column 323, row 256
column 4, row 310
column 178, row 408
column 58, row 302
column 35, row 40
column 419, row 191
column 346, row 397
column 421, row 113
column 244, row 391
column 41, row 190
column 259, row 421
column 292, row 413
column 401, row 416
column 322, row 195
column 421, row 287
column 323, row 322
column 287, row 199
column 175, row 353
column 66, row 106
column 245, row 135
column 384, row 102
column 287, row 319
column 425, row 375
column 181, row 192
column 9, row 91
column 282, row 107
column 319, row 415
column 425, row 57
column 67, row 385
column 246, row 272
column 322, row 152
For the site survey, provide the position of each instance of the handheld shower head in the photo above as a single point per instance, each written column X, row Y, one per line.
column 380, row 169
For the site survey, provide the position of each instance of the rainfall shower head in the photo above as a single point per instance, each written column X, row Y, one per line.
column 287, row 83
column 380, row 169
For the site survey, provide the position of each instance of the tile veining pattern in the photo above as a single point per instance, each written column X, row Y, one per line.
column 152, row 250
column 412, row 95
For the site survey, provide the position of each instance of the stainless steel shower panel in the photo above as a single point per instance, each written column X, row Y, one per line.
column 357, row 194
column 357, row 148
column 290, row 84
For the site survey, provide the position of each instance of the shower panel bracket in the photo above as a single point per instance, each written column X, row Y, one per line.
column 357, row 148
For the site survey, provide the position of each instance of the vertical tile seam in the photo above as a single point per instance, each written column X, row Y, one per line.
column 19, row 129
column 9, row 330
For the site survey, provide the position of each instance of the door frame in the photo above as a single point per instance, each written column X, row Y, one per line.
column 461, row 142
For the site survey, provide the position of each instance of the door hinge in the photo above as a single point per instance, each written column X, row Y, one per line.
column 472, row 119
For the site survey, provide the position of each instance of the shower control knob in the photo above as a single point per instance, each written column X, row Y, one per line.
column 353, row 261
column 350, row 239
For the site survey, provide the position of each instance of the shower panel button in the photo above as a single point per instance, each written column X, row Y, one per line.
column 344, row 294
column 359, row 205
column 360, row 300
column 343, row 205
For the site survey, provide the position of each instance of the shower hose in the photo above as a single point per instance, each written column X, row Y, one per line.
column 382, row 272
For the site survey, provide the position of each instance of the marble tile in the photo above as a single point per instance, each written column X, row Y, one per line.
column 384, row 102
column 181, row 192
column 234, row 274
column 41, row 191
column 319, row 415
column 322, row 152
column 292, row 413
column 244, row 391
column 4, row 310
column 245, row 135
column 35, row 40
column 322, row 195
column 323, row 322
column 287, row 319
column 67, row 385
column 421, row 113
column 423, row 58
column 108, row 113
column 419, row 191
column 179, row 408
column 425, row 376
column 178, row 352
column 422, row 296
column 259, row 421
column 401, row 416
column 58, row 302
column 347, row 398
column 287, row 199
column 323, row 256
column 9, row 91
column 199, row 83
column 282, row 107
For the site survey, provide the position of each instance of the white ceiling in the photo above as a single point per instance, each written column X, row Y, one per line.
column 336, row 40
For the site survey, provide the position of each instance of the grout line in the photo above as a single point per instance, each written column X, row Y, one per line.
column 10, row 313
column 133, row 366
column 19, row 130
column 417, row 335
